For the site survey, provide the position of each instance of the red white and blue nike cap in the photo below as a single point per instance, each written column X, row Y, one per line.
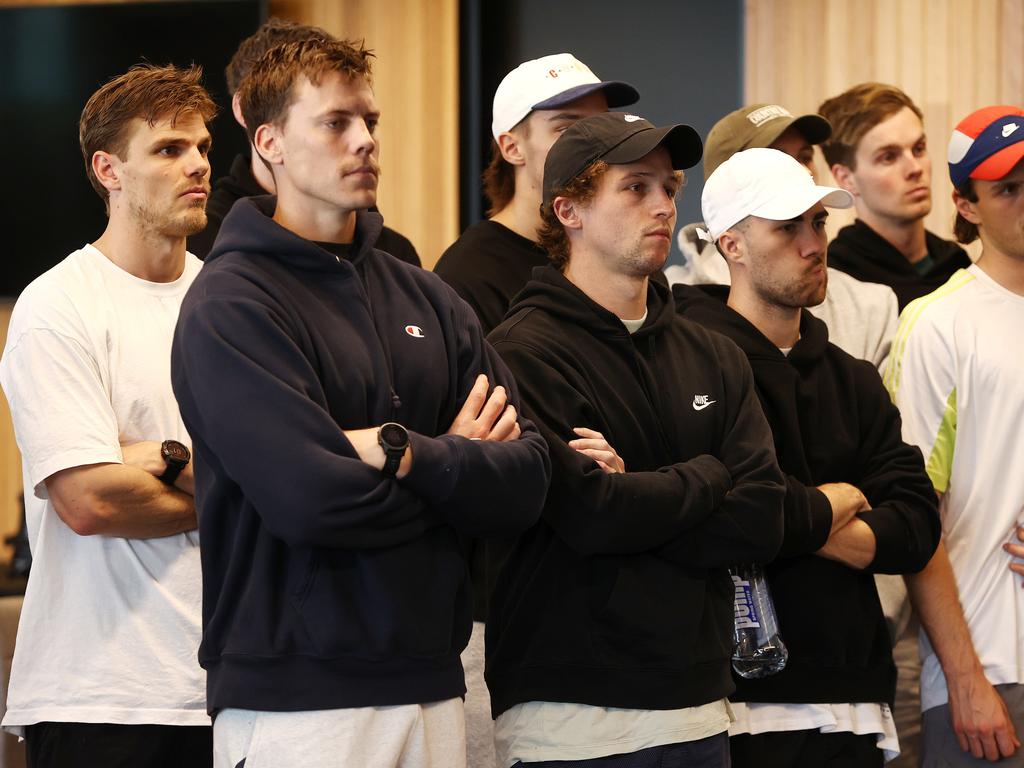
column 986, row 144
column 551, row 82
column 617, row 138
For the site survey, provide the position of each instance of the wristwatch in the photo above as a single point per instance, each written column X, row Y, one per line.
column 176, row 456
column 394, row 440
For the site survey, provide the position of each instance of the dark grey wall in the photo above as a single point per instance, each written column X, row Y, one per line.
column 684, row 56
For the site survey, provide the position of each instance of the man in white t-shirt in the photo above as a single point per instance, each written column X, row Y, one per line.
column 955, row 373
column 105, row 670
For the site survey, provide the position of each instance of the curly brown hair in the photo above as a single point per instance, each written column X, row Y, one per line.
column 581, row 190
column 266, row 92
column 272, row 33
column 147, row 92
column 855, row 112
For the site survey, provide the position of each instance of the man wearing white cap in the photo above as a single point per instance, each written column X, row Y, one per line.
column 956, row 376
column 533, row 105
column 858, row 501
column 861, row 317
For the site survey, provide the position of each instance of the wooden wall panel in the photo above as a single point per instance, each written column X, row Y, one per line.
column 950, row 56
column 416, row 84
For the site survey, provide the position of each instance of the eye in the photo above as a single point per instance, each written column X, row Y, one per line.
column 671, row 191
column 1009, row 190
column 819, row 224
column 920, row 149
column 887, row 157
column 788, row 228
column 638, row 187
column 371, row 125
column 169, row 151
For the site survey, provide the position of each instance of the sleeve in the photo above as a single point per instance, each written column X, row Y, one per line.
column 59, row 403
column 904, row 510
column 595, row 512
column 485, row 488
column 807, row 513
column 748, row 524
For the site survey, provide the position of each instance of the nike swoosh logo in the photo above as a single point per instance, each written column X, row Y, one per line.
column 1008, row 129
column 705, row 405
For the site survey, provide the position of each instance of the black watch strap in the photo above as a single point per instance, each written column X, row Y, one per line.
column 394, row 439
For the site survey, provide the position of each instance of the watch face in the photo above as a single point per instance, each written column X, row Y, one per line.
column 394, row 435
column 175, row 451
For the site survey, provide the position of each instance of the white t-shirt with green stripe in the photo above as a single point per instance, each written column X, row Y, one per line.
column 957, row 375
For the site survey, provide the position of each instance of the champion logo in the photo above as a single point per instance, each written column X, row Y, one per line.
column 1009, row 128
column 631, row 118
column 700, row 402
column 414, row 330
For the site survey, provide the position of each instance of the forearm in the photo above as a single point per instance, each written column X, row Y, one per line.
column 853, row 545
column 119, row 500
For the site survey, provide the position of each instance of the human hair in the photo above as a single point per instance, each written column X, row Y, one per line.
column 272, row 32
column 147, row 92
column 267, row 91
column 581, row 190
column 855, row 112
column 963, row 230
column 499, row 181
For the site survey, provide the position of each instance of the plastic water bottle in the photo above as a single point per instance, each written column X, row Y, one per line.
column 758, row 650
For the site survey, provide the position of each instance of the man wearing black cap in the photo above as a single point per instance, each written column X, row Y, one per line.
column 861, row 317
column 610, row 628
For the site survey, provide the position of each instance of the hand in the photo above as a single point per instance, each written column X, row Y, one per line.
column 846, row 501
column 980, row 719
column 486, row 418
column 592, row 443
column 145, row 455
column 1017, row 551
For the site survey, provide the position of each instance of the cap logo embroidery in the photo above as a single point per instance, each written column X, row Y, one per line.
column 764, row 114
column 414, row 331
column 1009, row 128
column 631, row 118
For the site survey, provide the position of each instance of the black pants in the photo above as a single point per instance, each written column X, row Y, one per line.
column 103, row 745
column 806, row 749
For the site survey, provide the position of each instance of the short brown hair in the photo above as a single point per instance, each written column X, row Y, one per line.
column 147, row 92
column 963, row 230
column 581, row 190
column 855, row 112
column 272, row 33
column 267, row 91
column 499, row 181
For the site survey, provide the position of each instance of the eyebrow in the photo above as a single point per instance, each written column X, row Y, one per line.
column 347, row 113
column 180, row 141
column 565, row 116
column 817, row 217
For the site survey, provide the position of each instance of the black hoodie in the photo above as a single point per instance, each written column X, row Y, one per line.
column 864, row 254
column 325, row 583
column 832, row 422
column 619, row 596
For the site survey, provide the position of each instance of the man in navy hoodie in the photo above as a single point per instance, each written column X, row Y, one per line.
column 858, row 501
column 346, row 431
column 611, row 623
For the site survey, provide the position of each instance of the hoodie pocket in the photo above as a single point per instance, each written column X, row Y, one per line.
column 410, row 601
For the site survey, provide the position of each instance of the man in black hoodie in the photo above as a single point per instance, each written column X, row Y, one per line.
column 338, row 403
column 858, row 501
column 249, row 176
column 612, row 619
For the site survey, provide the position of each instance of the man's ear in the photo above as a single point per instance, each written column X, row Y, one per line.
column 508, row 144
column 268, row 143
column 731, row 245
column 106, row 167
column 844, row 178
column 966, row 208
column 236, row 109
column 568, row 212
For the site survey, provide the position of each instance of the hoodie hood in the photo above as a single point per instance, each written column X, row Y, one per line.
column 552, row 292
column 702, row 263
column 706, row 305
column 250, row 228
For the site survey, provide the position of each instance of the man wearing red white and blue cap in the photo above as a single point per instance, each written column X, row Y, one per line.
column 956, row 375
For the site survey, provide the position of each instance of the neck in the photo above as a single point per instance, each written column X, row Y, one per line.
column 522, row 214
column 146, row 255
column 907, row 237
column 1002, row 268
column 260, row 172
column 623, row 295
column 780, row 325
column 324, row 224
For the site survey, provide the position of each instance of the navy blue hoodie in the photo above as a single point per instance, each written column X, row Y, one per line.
column 325, row 583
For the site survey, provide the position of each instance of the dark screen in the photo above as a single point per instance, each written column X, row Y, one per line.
column 51, row 60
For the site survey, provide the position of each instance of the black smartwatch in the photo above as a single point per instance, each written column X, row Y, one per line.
column 394, row 440
column 176, row 456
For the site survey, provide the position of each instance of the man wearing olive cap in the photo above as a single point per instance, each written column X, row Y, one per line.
column 610, row 629
column 858, row 501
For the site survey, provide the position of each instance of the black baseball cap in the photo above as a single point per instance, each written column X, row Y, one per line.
column 617, row 138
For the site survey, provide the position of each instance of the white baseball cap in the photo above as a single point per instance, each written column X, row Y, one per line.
column 548, row 83
column 766, row 183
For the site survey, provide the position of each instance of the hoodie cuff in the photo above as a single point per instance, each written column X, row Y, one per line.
column 819, row 510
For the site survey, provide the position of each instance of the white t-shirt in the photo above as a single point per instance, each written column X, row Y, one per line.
column 957, row 376
column 110, row 627
column 543, row 730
